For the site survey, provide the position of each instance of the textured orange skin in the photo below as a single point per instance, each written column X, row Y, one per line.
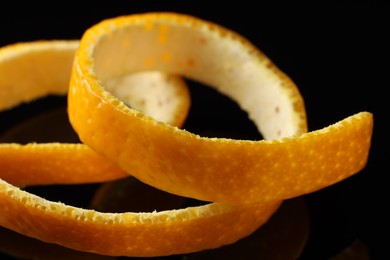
column 54, row 163
column 129, row 234
column 210, row 169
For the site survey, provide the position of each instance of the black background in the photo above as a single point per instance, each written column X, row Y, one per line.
column 335, row 53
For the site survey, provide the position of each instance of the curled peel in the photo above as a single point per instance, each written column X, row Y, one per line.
column 290, row 163
column 117, row 234
column 240, row 172
column 129, row 234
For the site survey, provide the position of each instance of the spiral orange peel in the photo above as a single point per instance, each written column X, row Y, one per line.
column 64, row 163
column 245, row 180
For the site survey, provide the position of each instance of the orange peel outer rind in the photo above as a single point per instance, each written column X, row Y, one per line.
column 54, row 163
column 129, row 234
column 291, row 163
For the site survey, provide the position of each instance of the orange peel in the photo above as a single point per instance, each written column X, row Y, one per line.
column 287, row 163
column 246, row 181
column 129, row 234
column 54, row 163
column 125, row 234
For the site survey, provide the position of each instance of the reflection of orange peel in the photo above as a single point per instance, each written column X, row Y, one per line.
column 290, row 164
